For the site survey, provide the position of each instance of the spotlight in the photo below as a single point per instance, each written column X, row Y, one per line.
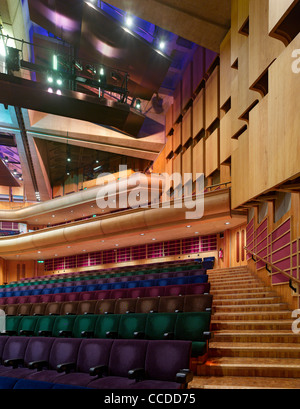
column 59, row 81
column 77, row 65
column 102, row 71
column 6, row 159
column 138, row 104
column 129, row 21
column 50, row 79
column 162, row 45
column 50, row 90
column 58, row 92
column 55, row 62
column 90, row 69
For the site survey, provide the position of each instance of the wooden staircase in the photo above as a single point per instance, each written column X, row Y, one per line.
column 252, row 345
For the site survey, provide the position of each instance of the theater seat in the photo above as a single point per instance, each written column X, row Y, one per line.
column 125, row 305
column 86, row 307
column 14, row 348
column 105, row 306
column 147, row 304
column 166, row 366
column 107, row 326
column 171, row 304
column 197, row 302
column 125, row 355
column 158, row 325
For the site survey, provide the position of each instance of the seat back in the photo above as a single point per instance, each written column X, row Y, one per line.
column 126, row 355
column 86, row 307
column 15, row 348
column 93, row 352
column 27, row 323
column 147, row 304
column 136, row 292
column 191, row 325
column 84, row 323
column 64, row 350
column 155, row 291
column 164, row 359
column 12, row 323
column 105, row 323
column 69, row 307
column 63, row 323
column 45, row 323
column 86, row 295
column 131, row 323
column 197, row 302
column 159, row 324
column 24, row 309
column 11, row 309
column 53, row 308
column 125, row 305
column 175, row 289
column 105, row 306
column 171, row 304
column 38, row 309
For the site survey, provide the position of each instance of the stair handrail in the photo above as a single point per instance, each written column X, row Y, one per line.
column 268, row 263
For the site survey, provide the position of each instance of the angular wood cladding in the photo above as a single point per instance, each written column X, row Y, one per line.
column 240, row 120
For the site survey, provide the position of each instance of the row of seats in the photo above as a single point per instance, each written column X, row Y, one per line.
column 186, row 303
column 109, row 286
column 99, row 281
column 183, row 289
column 111, row 273
column 41, row 363
column 188, row 326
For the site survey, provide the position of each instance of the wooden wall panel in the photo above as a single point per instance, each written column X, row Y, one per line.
column 212, row 153
column 177, row 105
column 210, row 56
column 169, row 120
column 227, row 144
column 259, row 161
column 187, row 165
column 160, row 164
column 199, row 113
column 198, row 158
column 198, row 67
column 187, row 126
column 284, row 120
column 187, row 83
column 225, row 69
column 240, row 171
column 212, row 102
column 177, row 165
column 243, row 13
column 169, row 166
column 237, row 124
column 263, row 49
column 278, row 9
column 246, row 97
column 58, row 191
column 177, row 142
column 237, row 40
column 169, row 145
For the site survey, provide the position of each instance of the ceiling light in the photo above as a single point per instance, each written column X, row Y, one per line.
column 142, row 234
column 50, row 90
column 59, row 81
column 138, row 104
column 6, row 159
column 69, row 159
column 128, row 21
column 53, row 215
column 188, row 227
column 55, row 62
column 116, row 245
column 102, row 71
column 50, row 79
column 39, row 252
column 58, row 92
column 153, row 239
column 162, row 45
column 227, row 223
column 90, row 69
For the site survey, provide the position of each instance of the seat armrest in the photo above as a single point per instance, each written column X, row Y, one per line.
column 138, row 374
column 138, row 335
column 10, row 333
column 66, row 367
column 26, row 333
column 65, row 334
column 184, row 377
column 153, row 311
column 39, row 365
column 178, row 311
column 208, row 309
column 111, row 334
column 207, row 335
column 14, row 362
column 169, row 335
column 99, row 371
column 87, row 334
column 45, row 333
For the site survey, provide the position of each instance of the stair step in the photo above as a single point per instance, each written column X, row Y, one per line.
column 254, row 350
column 257, row 336
column 246, row 295
column 239, row 290
column 256, row 367
column 252, row 315
column 237, row 382
column 245, row 302
column 252, row 325
column 249, row 308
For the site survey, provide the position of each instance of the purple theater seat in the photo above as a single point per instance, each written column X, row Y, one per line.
column 32, row 299
column 102, row 295
column 136, row 292
column 155, row 291
column 86, row 296
column 164, row 359
column 71, row 296
column 118, row 293
column 92, row 353
column 46, row 298
column 38, row 349
column 124, row 355
column 179, row 289
column 14, row 348
column 199, row 288
column 64, row 350
column 59, row 297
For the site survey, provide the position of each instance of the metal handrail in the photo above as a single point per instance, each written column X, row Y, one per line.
column 291, row 278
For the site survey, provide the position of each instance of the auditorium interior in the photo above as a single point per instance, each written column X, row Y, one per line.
column 149, row 194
